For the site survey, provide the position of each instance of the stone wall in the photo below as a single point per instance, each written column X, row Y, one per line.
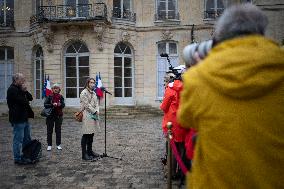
column 142, row 36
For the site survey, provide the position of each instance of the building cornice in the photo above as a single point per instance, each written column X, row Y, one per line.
column 162, row 28
column 119, row 27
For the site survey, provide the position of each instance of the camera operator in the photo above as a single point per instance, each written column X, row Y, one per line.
column 234, row 98
column 169, row 106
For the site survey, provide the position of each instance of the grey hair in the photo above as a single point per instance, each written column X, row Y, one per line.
column 16, row 77
column 239, row 20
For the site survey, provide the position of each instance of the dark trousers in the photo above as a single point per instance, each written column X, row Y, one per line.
column 51, row 122
column 176, row 171
column 86, row 143
column 181, row 150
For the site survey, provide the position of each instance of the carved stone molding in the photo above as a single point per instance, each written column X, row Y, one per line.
column 35, row 38
column 49, row 38
column 3, row 42
column 125, row 36
column 74, row 32
column 212, row 32
column 99, row 30
column 49, row 2
column 167, row 35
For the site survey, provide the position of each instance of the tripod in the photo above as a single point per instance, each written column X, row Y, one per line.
column 105, row 153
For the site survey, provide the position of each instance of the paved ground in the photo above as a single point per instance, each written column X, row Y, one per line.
column 137, row 141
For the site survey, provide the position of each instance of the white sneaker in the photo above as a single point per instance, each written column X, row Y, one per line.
column 59, row 148
column 48, row 148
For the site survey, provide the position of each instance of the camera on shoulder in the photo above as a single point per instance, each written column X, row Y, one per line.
column 202, row 49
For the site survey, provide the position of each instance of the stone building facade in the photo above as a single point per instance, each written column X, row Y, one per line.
column 70, row 40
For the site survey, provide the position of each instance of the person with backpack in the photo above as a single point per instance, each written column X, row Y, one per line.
column 19, row 111
column 56, row 102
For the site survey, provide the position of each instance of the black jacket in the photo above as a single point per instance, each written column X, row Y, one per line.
column 18, row 104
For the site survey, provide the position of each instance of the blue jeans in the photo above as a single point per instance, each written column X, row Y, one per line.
column 22, row 135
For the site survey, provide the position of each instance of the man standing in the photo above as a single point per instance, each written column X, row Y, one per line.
column 19, row 111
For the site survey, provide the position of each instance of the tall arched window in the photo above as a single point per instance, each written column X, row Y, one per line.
column 6, row 13
column 76, row 69
column 213, row 8
column 123, row 74
column 162, row 64
column 38, row 73
column 6, row 70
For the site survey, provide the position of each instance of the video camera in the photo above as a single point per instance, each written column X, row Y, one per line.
column 177, row 71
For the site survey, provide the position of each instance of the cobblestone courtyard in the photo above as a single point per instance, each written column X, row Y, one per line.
column 137, row 141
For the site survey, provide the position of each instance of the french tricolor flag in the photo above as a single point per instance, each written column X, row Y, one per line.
column 47, row 88
column 99, row 86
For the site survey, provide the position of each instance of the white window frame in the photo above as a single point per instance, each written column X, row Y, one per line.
column 76, row 7
column 171, row 56
column 167, row 8
column 37, row 4
column 5, row 62
column 5, row 12
column 126, row 100
column 121, row 6
column 75, row 101
column 41, row 61
column 215, row 8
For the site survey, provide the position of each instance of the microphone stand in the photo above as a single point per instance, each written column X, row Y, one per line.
column 105, row 153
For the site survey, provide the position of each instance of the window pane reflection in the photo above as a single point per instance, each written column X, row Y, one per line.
column 118, row 92
column 127, row 62
column 71, row 92
column 117, row 72
column 128, row 92
column 71, row 82
column 127, row 72
column 117, row 61
column 127, row 82
column 84, row 61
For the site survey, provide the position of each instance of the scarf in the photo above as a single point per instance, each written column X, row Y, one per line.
column 56, row 99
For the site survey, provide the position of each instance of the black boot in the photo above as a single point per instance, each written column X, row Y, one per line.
column 90, row 151
column 85, row 156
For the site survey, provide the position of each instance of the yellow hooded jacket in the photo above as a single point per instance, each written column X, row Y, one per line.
column 235, row 99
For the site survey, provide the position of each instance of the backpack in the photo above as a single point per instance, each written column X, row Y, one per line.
column 32, row 151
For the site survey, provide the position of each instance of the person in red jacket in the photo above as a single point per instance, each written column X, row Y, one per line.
column 170, row 106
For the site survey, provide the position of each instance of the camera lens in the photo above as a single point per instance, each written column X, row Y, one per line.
column 188, row 53
column 202, row 48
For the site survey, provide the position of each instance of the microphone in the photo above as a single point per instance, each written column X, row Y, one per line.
column 104, row 89
column 164, row 55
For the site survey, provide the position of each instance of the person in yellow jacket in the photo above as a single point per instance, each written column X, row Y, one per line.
column 235, row 99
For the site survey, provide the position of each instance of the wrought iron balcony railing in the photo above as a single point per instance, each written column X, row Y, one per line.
column 124, row 15
column 66, row 12
column 161, row 16
column 7, row 20
column 213, row 14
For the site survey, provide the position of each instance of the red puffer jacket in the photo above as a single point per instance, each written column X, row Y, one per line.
column 190, row 143
column 170, row 106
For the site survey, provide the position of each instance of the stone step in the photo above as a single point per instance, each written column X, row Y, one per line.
column 112, row 112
